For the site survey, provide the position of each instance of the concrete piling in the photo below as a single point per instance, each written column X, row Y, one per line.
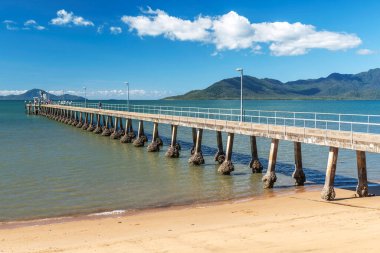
column 98, row 128
column 173, row 150
column 197, row 157
column 85, row 124
column 194, row 135
column 116, row 134
column 154, row 146
column 80, row 123
column 255, row 163
column 298, row 174
column 270, row 177
column 328, row 192
column 220, row 156
column 106, row 130
column 129, row 134
column 227, row 167
column 362, row 187
column 141, row 138
column 91, row 126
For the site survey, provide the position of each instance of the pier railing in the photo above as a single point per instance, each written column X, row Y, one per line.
column 328, row 121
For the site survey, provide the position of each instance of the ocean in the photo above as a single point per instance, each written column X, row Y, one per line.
column 49, row 169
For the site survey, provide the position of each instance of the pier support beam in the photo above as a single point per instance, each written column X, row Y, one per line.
column 362, row 187
column 116, row 134
column 129, row 134
column 141, row 138
column 85, row 125
column 75, row 119
column 80, row 123
column 220, row 156
column 270, row 177
column 197, row 157
column 106, row 130
column 194, row 135
column 154, row 146
column 98, row 128
column 173, row 150
column 91, row 126
column 255, row 164
column 70, row 118
column 227, row 167
column 328, row 192
column 298, row 174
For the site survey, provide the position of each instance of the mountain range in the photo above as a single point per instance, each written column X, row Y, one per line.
column 36, row 93
column 364, row 85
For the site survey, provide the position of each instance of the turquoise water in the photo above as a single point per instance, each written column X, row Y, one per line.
column 50, row 169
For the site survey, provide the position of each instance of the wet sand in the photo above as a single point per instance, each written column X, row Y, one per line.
column 287, row 223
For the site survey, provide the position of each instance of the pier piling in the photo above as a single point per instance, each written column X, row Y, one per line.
column 173, row 150
column 298, row 174
column 141, row 138
column 80, row 123
column 106, row 130
column 116, row 131
column 85, row 125
column 227, row 167
column 220, row 156
column 270, row 177
column 362, row 187
column 98, row 128
column 194, row 135
column 328, row 192
column 255, row 163
column 154, row 146
column 91, row 126
column 129, row 134
column 197, row 157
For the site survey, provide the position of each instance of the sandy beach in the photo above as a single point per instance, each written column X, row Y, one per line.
column 290, row 223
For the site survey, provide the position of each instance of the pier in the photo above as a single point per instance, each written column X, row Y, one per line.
column 357, row 132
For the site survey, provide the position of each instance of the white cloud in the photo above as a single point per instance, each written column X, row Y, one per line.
column 68, row 18
column 365, row 51
column 33, row 24
column 11, row 92
column 10, row 25
column 115, row 30
column 157, row 22
column 232, row 31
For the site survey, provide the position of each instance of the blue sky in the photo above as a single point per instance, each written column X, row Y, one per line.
column 169, row 47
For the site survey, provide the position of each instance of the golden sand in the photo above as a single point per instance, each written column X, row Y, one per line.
column 293, row 223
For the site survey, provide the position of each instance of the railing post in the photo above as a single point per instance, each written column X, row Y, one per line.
column 339, row 122
column 275, row 118
column 368, row 125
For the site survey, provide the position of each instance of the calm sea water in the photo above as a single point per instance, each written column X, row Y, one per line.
column 50, row 169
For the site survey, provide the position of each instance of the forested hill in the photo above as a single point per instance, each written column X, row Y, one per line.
column 365, row 85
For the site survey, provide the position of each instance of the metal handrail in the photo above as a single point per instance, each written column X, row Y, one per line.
column 278, row 118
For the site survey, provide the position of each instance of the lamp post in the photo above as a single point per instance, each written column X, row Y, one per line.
column 241, row 93
column 127, row 83
column 85, row 98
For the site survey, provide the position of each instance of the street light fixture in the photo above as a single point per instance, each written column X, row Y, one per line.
column 241, row 93
column 127, row 83
column 85, row 98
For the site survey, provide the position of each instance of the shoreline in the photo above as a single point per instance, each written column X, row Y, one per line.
column 287, row 223
column 271, row 193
